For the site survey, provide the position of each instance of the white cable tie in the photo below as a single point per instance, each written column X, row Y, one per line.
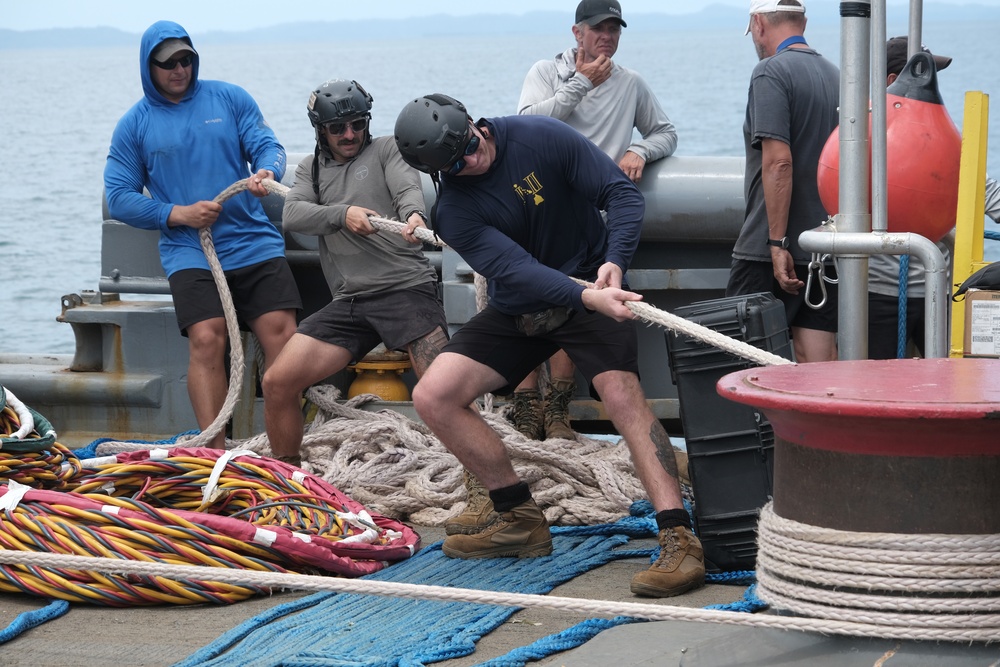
column 15, row 492
column 299, row 476
column 111, row 509
column 159, row 454
column 23, row 414
column 99, row 461
column 108, row 487
column 305, row 537
column 211, row 490
column 264, row 537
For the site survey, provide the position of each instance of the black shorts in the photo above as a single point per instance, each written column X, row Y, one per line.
column 596, row 343
column 394, row 318
column 256, row 289
column 883, row 325
column 750, row 277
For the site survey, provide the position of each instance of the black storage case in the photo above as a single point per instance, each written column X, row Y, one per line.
column 729, row 444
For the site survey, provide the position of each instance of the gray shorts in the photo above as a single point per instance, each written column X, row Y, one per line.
column 596, row 343
column 395, row 318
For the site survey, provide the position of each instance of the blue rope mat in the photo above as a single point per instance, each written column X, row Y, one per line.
column 376, row 631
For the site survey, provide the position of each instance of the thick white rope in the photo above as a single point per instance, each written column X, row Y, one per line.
column 655, row 612
column 398, row 468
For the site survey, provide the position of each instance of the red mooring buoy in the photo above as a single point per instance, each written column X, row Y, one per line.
column 887, row 446
column 923, row 152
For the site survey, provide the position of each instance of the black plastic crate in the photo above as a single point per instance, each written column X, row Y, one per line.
column 732, row 476
column 730, row 445
column 729, row 544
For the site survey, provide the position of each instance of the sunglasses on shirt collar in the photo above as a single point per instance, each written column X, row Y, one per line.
column 184, row 61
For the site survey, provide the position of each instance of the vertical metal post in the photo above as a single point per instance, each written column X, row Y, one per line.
column 915, row 37
column 880, row 178
column 852, row 338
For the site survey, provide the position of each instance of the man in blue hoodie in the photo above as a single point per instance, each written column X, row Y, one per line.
column 185, row 142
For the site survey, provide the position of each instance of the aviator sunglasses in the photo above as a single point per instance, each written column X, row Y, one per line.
column 471, row 146
column 339, row 127
column 170, row 64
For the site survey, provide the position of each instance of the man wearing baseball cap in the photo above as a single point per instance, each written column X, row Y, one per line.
column 605, row 102
column 185, row 141
column 791, row 111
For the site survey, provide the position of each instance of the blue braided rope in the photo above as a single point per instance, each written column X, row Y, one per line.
column 90, row 451
column 30, row 619
column 904, row 281
column 561, row 641
column 992, row 236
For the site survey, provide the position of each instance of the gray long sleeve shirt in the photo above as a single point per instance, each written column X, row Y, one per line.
column 605, row 114
column 378, row 179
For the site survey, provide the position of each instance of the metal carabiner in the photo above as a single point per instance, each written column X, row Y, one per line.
column 816, row 265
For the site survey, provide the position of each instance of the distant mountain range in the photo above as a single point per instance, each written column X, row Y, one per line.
column 711, row 17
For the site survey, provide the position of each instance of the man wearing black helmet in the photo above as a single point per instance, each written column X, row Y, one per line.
column 373, row 276
column 520, row 199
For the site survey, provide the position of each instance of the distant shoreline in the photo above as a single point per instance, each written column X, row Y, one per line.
column 532, row 23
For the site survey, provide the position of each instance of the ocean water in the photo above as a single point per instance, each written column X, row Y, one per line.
column 58, row 108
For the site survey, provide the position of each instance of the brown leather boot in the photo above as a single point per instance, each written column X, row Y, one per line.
column 557, row 398
column 522, row 532
column 478, row 508
column 679, row 568
column 527, row 414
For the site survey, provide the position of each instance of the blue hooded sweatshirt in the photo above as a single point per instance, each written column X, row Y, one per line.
column 189, row 152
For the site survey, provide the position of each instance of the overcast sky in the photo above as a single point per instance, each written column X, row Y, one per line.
column 201, row 15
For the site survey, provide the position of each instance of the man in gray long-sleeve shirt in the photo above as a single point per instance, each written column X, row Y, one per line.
column 373, row 276
column 604, row 102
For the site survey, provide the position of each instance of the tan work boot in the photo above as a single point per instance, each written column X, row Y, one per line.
column 557, row 398
column 478, row 509
column 522, row 532
column 527, row 414
column 679, row 568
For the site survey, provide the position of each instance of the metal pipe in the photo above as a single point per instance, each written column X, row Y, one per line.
column 853, row 207
column 915, row 37
column 829, row 240
column 880, row 179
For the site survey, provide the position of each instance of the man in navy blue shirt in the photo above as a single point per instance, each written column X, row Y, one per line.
column 520, row 199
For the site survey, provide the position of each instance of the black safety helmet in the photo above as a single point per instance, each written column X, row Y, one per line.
column 336, row 99
column 431, row 132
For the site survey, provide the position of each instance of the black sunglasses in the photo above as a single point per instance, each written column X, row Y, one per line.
column 168, row 65
column 471, row 146
column 339, row 127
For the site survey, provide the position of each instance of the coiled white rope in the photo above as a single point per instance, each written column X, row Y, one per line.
column 921, row 583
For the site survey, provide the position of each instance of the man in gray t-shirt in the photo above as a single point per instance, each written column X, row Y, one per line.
column 791, row 112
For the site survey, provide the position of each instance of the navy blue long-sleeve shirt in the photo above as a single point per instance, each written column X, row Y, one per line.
column 534, row 218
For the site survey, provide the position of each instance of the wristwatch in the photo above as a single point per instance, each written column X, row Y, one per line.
column 779, row 243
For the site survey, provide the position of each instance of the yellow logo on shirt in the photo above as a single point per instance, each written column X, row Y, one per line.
column 532, row 187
